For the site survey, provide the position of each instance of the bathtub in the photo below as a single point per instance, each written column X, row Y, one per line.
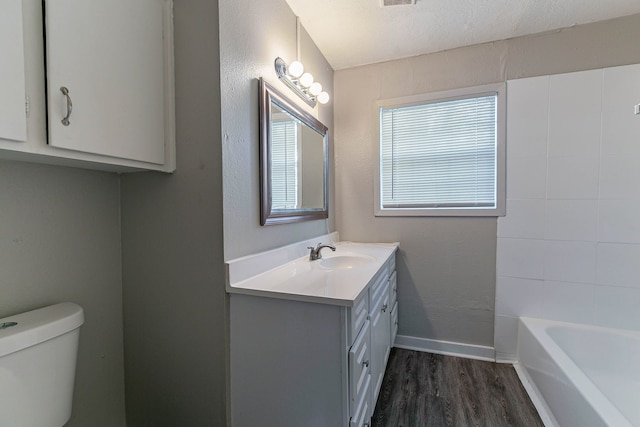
column 582, row 376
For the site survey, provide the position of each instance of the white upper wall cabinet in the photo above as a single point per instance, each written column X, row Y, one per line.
column 13, row 119
column 109, row 101
column 109, row 56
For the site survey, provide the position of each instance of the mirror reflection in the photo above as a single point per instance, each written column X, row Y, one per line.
column 297, row 163
column 293, row 161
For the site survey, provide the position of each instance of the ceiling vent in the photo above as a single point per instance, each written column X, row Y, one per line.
column 385, row 3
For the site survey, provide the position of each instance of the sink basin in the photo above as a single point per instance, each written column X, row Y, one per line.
column 345, row 262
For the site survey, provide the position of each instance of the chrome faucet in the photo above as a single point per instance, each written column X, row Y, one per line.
column 315, row 252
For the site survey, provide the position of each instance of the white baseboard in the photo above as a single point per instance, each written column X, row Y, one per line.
column 506, row 358
column 470, row 351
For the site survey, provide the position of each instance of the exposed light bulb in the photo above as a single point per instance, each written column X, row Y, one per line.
column 306, row 79
column 323, row 98
column 315, row 89
column 301, row 83
column 295, row 69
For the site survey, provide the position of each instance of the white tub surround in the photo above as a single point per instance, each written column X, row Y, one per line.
column 310, row 340
column 568, row 247
column 581, row 375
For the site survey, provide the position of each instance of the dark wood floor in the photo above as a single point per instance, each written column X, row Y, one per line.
column 431, row 390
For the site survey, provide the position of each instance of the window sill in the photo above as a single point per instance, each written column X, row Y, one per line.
column 471, row 212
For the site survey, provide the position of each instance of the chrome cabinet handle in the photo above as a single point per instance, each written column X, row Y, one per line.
column 365, row 363
column 384, row 308
column 65, row 92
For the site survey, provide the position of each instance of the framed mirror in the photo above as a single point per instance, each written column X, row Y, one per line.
column 293, row 161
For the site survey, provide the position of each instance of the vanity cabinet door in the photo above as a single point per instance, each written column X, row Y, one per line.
column 13, row 118
column 394, row 323
column 359, row 367
column 362, row 415
column 107, row 77
column 393, row 303
column 380, row 330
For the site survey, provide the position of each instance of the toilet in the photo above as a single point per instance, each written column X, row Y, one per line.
column 38, row 352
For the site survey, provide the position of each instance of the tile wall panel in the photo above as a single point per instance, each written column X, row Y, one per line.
column 569, row 246
column 571, row 220
column 574, row 114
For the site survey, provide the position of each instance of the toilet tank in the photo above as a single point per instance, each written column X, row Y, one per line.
column 38, row 352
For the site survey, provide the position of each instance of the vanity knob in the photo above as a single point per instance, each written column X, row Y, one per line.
column 384, row 308
column 365, row 363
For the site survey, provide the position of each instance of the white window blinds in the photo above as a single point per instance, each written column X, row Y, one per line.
column 284, row 165
column 439, row 155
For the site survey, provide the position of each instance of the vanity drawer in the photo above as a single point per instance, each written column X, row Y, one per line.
column 379, row 285
column 380, row 303
column 392, row 263
column 358, row 314
column 394, row 323
column 359, row 361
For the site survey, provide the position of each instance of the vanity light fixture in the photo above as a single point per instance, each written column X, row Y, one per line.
column 300, row 82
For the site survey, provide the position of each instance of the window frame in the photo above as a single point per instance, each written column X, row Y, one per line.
column 498, row 89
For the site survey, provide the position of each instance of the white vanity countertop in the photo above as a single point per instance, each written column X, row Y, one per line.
column 304, row 280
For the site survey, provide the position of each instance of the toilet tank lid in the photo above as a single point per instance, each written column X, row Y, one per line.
column 36, row 326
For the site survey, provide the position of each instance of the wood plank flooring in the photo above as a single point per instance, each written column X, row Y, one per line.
column 430, row 390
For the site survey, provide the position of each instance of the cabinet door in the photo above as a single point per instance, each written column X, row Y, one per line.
column 359, row 367
column 380, row 339
column 110, row 55
column 362, row 414
column 13, row 119
column 394, row 323
column 393, row 303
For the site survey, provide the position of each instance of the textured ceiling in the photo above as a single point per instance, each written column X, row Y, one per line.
column 358, row 32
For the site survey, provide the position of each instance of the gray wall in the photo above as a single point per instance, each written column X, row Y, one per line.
column 60, row 241
column 252, row 35
column 173, row 276
column 447, row 265
column 172, row 226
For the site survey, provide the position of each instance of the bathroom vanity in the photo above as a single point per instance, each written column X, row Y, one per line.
column 309, row 340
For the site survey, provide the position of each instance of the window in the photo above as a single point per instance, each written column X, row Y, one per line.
column 442, row 154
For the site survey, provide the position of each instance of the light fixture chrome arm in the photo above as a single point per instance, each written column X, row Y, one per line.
column 281, row 71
